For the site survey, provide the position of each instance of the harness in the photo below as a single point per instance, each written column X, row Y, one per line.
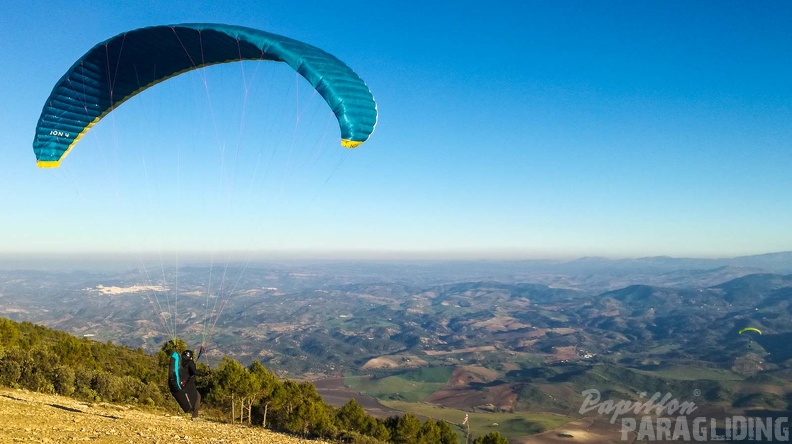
column 175, row 360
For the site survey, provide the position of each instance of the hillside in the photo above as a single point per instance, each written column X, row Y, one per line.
column 35, row 417
column 514, row 356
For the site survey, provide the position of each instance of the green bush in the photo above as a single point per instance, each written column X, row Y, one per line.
column 63, row 380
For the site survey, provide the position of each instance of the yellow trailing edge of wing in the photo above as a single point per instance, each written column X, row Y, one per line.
column 350, row 143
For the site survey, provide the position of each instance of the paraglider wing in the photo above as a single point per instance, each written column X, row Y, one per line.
column 750, row 329
column 121, row 67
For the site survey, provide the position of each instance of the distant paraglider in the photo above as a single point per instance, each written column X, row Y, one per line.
column 750, row 329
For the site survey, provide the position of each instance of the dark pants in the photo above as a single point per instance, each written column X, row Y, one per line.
column 189, row 401
column 196, row 404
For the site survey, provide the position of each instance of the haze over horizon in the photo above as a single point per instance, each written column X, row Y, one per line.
column 114, row 260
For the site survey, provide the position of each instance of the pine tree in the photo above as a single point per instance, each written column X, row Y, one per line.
column 351, row 416
column 232, row 385
column 9, row 333
column 429, row 433
column 263, row 384
column 491, row 438
column 404, row 430
column 447, row 434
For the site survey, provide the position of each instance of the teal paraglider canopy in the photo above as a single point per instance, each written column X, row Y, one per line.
column 119, row 68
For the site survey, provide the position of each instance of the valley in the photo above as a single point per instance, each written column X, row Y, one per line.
column 514, row 347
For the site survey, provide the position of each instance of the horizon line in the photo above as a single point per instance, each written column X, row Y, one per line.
column 363, row 255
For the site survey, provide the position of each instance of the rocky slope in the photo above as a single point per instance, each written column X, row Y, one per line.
column 35, row 417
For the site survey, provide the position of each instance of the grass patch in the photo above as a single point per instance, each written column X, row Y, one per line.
column 393, row 387
column 531, row 359
column 510, row 425
column 555, row 316
column 440, row 374
column 683, row 373
column 663, row 349
column 411, row 385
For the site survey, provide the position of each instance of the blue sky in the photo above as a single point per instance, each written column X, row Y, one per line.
column 517, row 129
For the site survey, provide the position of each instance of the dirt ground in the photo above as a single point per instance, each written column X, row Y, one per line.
column 586, row 431
column 33, row 417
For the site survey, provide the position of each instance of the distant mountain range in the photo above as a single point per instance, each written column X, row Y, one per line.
column 771, row 262
column 780, row 262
